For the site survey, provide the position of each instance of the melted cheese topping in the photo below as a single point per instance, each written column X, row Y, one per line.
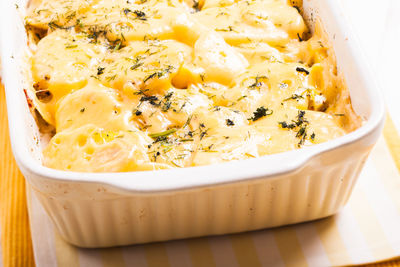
column 145, row 84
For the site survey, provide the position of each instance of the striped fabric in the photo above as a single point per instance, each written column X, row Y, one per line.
column 366, row 230
column 16, row 245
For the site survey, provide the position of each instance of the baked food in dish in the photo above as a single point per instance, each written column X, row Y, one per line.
column 144, row 85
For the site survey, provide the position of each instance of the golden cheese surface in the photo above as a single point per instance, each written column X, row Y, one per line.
column 133, row 85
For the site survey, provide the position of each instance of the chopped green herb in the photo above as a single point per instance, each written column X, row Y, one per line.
column 68, row 46
column 299, row 37
column 158, row 74
column 258, row 82
column 111, row 78
column 229, row 122
column 285, row 125
column 53, row 25
column 187, row 123
column 168, row 95
column 300, row 125
column 79, row 24
column 261, row 112
column 137, row 64
column 196, row 6
column 242, row 97
column 203, row 133
column 294, row 97
column 117, row 45
column 302, row 135
column 229, row 29
column 300, row 69
column 283, row 85
column 163, row 134
column 140, row 15
column 126, row 11
column 300, row 118
column 100, row 70
column 166, row 106
column 151, row 99
column 187, row 140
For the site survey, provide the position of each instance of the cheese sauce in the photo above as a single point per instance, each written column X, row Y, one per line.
column 145, row 84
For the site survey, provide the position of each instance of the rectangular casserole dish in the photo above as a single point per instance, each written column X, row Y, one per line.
column 112, row 209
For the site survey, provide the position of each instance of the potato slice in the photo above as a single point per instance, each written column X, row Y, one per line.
column 62, row 62
column 57, row 14
column 83, row 106
column 92, row 149
column 238, row 22
column 149, row 65
column 221, row 62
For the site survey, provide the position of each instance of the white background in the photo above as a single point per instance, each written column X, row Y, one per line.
column 377, row 24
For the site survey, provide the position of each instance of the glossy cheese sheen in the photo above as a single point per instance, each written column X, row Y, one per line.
column 145, row 85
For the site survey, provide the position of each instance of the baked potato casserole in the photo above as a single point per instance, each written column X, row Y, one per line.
column 134, row 85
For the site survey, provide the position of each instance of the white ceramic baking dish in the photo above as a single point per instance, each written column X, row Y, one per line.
column 109, row 209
